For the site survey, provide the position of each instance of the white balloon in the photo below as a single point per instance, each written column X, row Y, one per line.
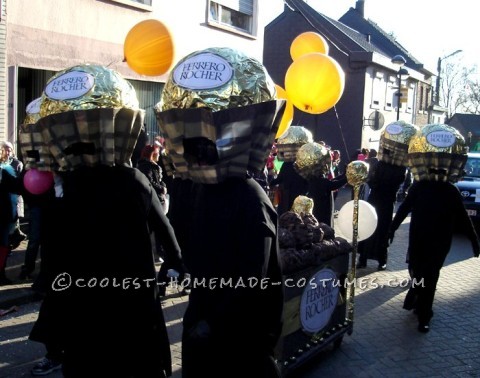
column 367, row 220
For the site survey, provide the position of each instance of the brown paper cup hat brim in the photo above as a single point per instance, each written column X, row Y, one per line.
column 392, row 152
column 243, row 137
column 35, row 152
column 101, row 136
column 437, row 166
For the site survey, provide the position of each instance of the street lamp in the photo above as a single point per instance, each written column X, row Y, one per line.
column 400, row 61
column 439, row 70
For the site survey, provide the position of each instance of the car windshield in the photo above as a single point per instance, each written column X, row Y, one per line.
column 472, row 167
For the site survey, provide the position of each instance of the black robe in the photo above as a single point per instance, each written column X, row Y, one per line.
column 384, row 185
column 100, row 236
column 291, row 186
column 436, row 211
column 320, row 190
column 232, row 331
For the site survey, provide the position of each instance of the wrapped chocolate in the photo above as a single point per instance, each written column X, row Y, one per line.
column 313, row 159
column 357, row 172
column 89, row 116
column 86, row 87
column 437, row 152
column 222, row 101
column 291, row 141
column 394, row 142
column 302, row 205
column 217, row 78
column 35, row 152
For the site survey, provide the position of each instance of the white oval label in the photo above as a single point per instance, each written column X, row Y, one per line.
column 441, row 138
column 34, row 106
column 69, row 86
column 394, row 129
column 319, row 300
column 203, row 71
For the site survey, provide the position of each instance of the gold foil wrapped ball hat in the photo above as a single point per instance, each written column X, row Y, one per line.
column 394, row 142
column 34, row 151
column 437, row 152
column 90, row 116
column 313, row 160
column 217, row 78
column 291, row 141
column 219, row 115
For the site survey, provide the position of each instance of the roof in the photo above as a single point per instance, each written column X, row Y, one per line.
column 353, row 33
column 465, row 123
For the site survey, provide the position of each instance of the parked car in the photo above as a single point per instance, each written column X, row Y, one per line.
column 469, row 186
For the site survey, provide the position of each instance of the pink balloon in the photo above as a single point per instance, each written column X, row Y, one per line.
column 38, row 182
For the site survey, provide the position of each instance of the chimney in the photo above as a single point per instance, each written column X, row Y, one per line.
column 360, row 7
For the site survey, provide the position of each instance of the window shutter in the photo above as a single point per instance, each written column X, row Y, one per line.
column 242, row 6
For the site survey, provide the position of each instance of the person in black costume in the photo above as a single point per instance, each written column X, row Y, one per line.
column 321, row 190
column 436, row 211
column 384, row 185
column 231, row 325
column 291, row 186
column 102, row 306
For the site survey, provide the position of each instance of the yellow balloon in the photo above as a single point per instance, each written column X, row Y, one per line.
column 287, row 117
column 314, row 83
column 148, row 48
column 308, row 42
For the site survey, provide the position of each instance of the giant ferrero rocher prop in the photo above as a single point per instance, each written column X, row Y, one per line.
column 437, row 152
column 313, row 160
column 34, row 151
column 291, row 141
column 90, row 116
column 223, row 102
column 394, row 141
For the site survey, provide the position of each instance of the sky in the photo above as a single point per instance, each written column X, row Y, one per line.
column 428, row 29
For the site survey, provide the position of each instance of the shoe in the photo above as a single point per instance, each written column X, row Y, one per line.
column 423, row 327
column 16, row 238
column 382, row 267
column 46, row 366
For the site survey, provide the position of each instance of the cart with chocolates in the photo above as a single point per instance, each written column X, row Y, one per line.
column 315, row 264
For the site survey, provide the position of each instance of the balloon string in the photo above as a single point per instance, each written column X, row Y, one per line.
column 341, row 130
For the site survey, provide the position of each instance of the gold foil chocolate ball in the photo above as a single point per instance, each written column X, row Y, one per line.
column 438, row 138
column 313, row 159
column 302, row 205
column 357, row 172
column 86, row 87
column 218, row 78
column 296, row 135
column 33, row 112
column 399, row 131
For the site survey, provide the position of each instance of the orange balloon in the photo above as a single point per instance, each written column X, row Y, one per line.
column 306, row 43
column 148, row 48
column 314, row 83
column 287, row 117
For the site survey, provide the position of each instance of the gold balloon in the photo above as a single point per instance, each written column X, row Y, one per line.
column 287, row 117
column 314, row 83
column 148, row 48
column 357, row 172
column 308, row 42
column 296, row 135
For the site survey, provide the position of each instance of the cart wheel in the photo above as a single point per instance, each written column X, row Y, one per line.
column 338, row 342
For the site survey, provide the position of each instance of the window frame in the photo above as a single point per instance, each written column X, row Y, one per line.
column 216, row 22
column 136, row 4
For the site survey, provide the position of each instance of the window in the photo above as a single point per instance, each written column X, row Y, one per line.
column 141, row 4
column 377, row 90
column 235, row 15
column 390, row 92
column 421, row 98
